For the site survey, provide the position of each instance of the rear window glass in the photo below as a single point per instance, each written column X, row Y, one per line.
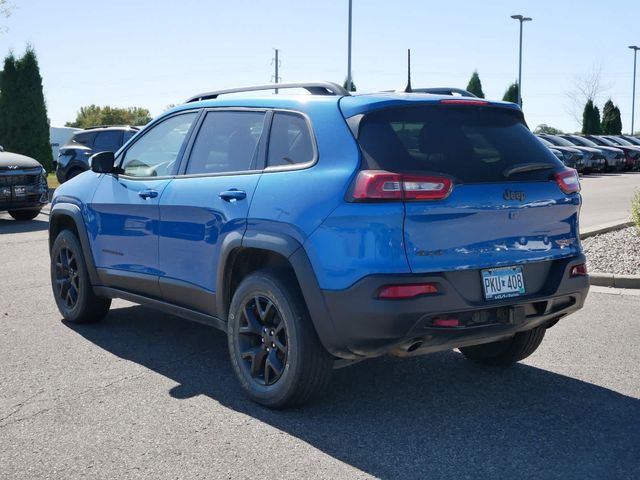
column 290, row 142
column 471, row 144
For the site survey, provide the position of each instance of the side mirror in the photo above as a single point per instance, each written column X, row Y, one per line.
column 103, row 162
column 1, row 148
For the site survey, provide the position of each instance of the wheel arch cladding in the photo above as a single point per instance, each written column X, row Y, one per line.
column 263, row 250
column 67, row 216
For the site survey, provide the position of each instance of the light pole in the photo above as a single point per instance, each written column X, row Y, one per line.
column 349, row 53
column 521, row 19
column 633, row 97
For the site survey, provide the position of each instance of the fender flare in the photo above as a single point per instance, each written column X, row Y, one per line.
column 72, row 211
column 289, row 248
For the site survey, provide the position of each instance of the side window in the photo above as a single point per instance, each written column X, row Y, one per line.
column 290, row 140
column 156, row 152
column 127, row 135
column 226, row 142
column 85, row 139
column 108, row 141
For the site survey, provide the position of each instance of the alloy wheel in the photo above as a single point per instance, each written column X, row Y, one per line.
column 67, row 277
column 262, row 340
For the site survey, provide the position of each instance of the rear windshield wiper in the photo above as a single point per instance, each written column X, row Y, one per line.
column 527, row 167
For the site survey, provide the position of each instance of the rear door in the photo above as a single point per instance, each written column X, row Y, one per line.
column 208, row 203
column 504, row 208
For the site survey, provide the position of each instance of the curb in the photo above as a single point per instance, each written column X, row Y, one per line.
column 614, row 281
column 604, row 228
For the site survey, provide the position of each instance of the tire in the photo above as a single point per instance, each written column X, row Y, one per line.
column 70, row 282
column 29, row 214
column 506, row 352
column 266, row 308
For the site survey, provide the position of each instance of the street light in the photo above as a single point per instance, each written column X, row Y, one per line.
column 521, row 19
column 633, row 97
column 349, row 53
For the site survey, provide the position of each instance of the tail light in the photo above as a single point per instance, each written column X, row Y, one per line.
column 382, row 185
column 579, row 270
column 568, row 180
column 399, row 292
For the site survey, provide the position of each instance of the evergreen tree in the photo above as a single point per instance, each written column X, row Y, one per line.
column 475, row 85
column 591, row 119
column 8, row 106
column 353, row 85
column 511, row 95
column 24, row 126
column 611, row 119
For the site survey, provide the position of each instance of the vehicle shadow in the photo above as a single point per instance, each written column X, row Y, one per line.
column 9, row 225
column 437, row 416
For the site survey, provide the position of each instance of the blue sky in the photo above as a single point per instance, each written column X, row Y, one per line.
column 152, row 53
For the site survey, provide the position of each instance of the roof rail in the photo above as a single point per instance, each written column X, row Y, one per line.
column 109, row 126
column 444, row 91
column 315, row 88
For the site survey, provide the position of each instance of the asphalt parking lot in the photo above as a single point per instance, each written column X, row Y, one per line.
column 606, row 197
column 147, row 395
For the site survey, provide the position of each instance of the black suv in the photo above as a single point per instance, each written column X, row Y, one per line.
column 73, row 158
column 23, row 186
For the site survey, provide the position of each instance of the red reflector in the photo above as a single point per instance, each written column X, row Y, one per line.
column 579, row 270
column 464, row 102
column 568, row 180
column 407, row 291
column 446, row 322
column 383, row 185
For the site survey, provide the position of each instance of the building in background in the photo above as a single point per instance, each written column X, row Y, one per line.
column 60, row 136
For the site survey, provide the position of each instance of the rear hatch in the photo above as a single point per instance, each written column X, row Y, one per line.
column 479, row 189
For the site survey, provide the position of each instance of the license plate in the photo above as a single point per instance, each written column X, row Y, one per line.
column 19, row 191
column 499, row 283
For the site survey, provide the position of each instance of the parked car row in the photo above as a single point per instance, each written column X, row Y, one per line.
column 595, row 153
column 73, row 158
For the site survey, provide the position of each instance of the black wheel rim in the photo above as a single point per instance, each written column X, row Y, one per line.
column 262, row 340
column 67, row 277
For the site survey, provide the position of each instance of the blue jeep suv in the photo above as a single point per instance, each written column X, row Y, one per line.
column 317, row 230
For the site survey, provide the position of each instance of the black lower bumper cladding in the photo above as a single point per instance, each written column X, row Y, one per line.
column 369, row 326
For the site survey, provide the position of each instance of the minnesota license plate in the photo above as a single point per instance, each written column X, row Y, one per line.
column 506, row 282
column 19, row 191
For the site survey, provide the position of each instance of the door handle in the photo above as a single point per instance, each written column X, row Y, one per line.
column 148, row 193
column 233, row 194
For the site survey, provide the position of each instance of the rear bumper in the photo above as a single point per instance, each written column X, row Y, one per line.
column 367, row 326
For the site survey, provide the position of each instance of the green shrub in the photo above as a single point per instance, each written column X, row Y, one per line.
column 635, row 209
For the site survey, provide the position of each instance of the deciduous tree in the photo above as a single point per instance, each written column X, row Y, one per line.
column 93, row 115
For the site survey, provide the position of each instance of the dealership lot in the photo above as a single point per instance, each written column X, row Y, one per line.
column 144, row 395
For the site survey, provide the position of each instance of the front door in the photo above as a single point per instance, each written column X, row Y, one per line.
column 208, row 203
column 124, row 211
